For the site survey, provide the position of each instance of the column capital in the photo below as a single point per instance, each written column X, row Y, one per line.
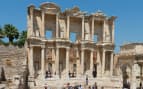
column 83, row 17
column 92, row 50
column 82, row 49
column 43, row 10
column 67, row 48
column 68, row 16
column 104, row 50
column 93, row 18
column 57, row 48
column 43, row 46
column 30, row 46
column 57, row 14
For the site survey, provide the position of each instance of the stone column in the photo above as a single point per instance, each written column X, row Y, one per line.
column 31, row 69
column 133, row 79
column 31, row 63
column 91, row 62
column 57, row 25
column 67, row 62
column 111, row 64
column 68, row 26
column 53, row 59
column 113, row 32
column 98, row 63
column 43, row 24
column 43, row 61
column 92, row 34
column 82, row 61
column 83, row 28
column 77, row 63
column 31, row 20
column 141, row 67
column 103, row 62
column 29, row 26
column 57, row 62
column 103, row 32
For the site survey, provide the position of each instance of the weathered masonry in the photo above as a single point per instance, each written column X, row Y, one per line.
column 70, row 46
column 130, row 63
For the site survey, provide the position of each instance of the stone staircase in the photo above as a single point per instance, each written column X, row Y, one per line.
column 107, row 83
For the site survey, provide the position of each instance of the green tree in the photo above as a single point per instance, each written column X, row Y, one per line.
column 1, row 33
column 22, row 38
column 11, row 32
column 1, row 36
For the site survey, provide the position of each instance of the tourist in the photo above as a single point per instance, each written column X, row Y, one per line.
column 140, row 86
column 46, row 86
column 86, row 79
column 68, row 86
column 89, row 87
column 94, row 86
column 102, row 87
column 80, row 87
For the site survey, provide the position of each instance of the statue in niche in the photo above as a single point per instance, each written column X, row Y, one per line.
column 62, row 34
column 36, row 28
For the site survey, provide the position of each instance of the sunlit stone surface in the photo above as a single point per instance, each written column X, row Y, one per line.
column 70, row 47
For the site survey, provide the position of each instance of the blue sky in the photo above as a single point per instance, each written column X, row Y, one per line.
column 128, row 26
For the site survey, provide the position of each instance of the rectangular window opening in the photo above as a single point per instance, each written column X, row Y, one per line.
column 73, row 36
column 49, row 34
column 95, row 38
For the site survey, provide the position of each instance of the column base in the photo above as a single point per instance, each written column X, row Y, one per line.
column 57, row 76
column 31, row 81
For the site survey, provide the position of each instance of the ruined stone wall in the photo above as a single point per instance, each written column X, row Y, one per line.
column 13, row 61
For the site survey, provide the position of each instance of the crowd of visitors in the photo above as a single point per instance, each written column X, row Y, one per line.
column 68, row 86
column 80, row 87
